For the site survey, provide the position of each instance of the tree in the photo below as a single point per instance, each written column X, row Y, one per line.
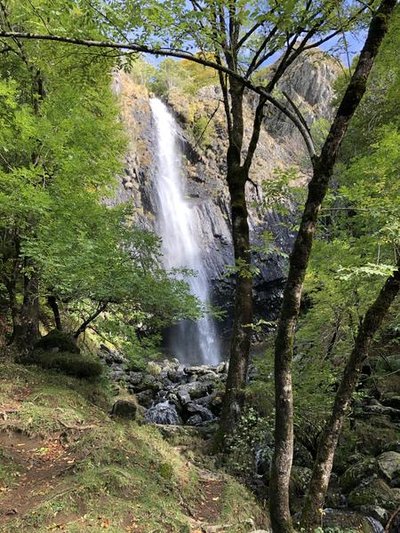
column 61, row 149
column 368, row 187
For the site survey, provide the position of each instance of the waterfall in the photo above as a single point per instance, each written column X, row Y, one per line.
column 178, row 224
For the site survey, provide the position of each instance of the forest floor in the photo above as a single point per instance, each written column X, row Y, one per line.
column 65, row 465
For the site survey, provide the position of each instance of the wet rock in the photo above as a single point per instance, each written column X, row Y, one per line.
column 163, row 413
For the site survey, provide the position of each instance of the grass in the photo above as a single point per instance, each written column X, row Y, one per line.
column 123, row 476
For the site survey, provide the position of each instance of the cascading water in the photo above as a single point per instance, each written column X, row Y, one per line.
column 179, row 227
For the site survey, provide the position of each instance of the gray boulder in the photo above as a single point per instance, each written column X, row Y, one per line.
column 389, row 465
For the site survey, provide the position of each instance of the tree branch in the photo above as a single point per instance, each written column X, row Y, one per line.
column 100, row 308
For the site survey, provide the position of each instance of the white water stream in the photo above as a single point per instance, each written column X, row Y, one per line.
column 179, row 227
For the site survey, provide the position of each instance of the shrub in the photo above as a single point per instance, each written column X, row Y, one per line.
column 72, row 364
column 58, row 339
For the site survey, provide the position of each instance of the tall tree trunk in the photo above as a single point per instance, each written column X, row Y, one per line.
column 52, row 303
column 317, row 189
column 314, row 502
column 241, row 333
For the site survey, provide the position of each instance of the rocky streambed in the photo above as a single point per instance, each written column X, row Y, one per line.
column 170, row 392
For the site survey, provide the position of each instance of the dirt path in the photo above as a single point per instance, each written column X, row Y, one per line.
column 205, row 511
column 40, row 463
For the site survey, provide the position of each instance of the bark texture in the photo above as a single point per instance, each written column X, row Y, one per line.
column 314, row 502
column 317, row 189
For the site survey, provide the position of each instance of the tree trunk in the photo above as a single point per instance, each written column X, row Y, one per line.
column 317, row 189
column 26, row 331
column 314, row 502
column 241, row 333
column 52, row 303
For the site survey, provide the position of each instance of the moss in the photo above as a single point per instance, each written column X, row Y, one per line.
column 125, row 476
column 357, row 472
column 58, row 339
column 374, row 492
column 72, row 364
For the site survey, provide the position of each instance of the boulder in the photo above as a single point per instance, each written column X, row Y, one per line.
column 57, row 340
column 135, row 378
column 183, row 396
column 196, row 409
column 356, row 473
column 299, row 480
column 117, row 374
column 145, row 398
column 196, row 389
column 376, row 512
column 199, row 370
column 194, row 420
column 389, row 465
column 339, row 520
column 125, row 409
column 374, row 492
column 148, row 382
column 111, row 356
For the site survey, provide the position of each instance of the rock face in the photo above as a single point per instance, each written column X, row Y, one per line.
column 309, row 84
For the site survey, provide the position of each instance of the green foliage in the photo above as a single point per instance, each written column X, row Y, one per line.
column 61, row 148
column 251, row 442
column 281, row 192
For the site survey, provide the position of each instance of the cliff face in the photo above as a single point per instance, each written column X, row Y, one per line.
column 309, row 83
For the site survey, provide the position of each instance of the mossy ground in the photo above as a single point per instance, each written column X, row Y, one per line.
column 66, row 465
